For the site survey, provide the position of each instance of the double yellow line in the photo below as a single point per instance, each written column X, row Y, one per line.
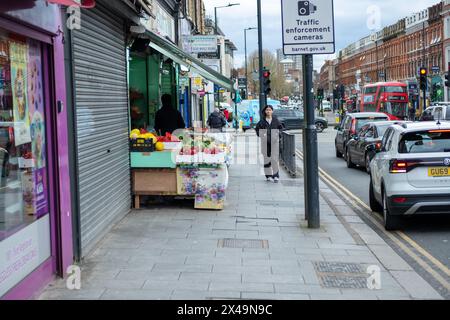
column 377, row 220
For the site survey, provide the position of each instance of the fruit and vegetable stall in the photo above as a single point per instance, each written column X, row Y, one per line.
column 188, row 163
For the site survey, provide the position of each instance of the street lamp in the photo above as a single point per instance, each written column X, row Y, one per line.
column 246, row 68
column 215, row 14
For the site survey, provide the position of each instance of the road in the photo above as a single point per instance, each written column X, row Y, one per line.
column 431, row 232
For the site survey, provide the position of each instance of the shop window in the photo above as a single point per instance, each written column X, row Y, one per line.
column 23, row 157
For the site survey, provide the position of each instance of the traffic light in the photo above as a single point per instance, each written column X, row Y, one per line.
column 423, row 73
column 266, row 82
column 447, row 76
column 320, row 94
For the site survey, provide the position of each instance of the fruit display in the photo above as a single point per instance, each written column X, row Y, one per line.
column 201, row 149
column 143, row 134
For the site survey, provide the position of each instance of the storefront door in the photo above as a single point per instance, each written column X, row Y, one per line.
column 25, row 173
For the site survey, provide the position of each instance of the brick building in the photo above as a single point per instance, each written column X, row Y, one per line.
column 395, row 53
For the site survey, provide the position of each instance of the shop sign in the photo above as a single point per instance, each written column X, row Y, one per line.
column 23, row 252
column 163, row 24
column 212, row 63
column 200, row 44
column 38, row 13
column 197, row 84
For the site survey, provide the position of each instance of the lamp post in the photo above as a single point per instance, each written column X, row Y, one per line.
column 246, row 67
column 215, row 14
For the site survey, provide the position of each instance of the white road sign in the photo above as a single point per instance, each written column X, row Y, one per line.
column 308, row 27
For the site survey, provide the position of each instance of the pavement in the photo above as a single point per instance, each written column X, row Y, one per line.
column 259, row 247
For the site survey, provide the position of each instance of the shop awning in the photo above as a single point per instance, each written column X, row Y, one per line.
column 179, row 56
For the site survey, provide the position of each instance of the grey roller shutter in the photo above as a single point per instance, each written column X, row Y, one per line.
column 101, row 99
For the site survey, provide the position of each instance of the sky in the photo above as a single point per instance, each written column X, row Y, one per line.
column 353, row 20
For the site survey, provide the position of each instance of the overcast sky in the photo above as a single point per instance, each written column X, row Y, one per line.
column 351, row 20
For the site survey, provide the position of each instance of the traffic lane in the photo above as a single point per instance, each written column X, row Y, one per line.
column 430, row 232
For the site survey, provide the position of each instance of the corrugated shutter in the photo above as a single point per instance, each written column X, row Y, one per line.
column 101, row 98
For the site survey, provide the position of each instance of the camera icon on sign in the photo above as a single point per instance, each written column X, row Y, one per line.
column 305, row 8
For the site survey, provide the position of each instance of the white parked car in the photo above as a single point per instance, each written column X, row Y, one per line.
column 411, row 173
column 327, row 106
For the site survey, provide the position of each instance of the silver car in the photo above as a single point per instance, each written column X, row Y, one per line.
column 411, row 173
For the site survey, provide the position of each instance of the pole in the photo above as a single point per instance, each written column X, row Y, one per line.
column 246, row 68
column 425, row 66
column 215, row 21
column 262, row 98
column 312, row 205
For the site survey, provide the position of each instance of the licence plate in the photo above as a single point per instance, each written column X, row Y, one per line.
column 439, row 172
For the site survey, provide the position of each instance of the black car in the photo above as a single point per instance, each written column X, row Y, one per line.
column 362, row 147
column 351, row 125
column 294, row 119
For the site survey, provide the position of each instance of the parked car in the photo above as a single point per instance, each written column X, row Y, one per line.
column 294, row 119
column 362, row 147
column 326, row 106
column 440, row 111
column 351, row 125
column 248, row 112
column 411, row 173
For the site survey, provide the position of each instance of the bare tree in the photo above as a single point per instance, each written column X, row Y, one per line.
column 280, row 87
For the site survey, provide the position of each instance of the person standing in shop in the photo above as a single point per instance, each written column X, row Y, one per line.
column 268, row 130
column 168, row 119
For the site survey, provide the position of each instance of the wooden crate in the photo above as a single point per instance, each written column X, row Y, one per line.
column 153, row 182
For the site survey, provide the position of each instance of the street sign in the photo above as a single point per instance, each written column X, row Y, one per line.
column 308, row 27
column 381, row 74
column 435, row 69
column 242, row 82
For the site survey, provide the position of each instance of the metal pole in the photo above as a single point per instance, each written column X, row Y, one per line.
column 246, row 68
column 215, row 20
column 312, row 205
column 262, row 98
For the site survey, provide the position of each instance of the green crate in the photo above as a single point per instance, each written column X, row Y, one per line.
column 161, row 159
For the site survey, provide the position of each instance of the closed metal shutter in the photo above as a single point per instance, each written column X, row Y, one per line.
column 101, row 99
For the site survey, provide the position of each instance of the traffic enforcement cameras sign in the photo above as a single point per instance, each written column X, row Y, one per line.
column 308, row 27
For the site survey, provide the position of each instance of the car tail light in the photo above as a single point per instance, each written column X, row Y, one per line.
column 402, row 166
column 353, row 129
column 378, row 145
column 399, row 200
column 251, row 119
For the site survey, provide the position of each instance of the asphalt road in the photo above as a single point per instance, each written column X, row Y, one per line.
column 430, row 232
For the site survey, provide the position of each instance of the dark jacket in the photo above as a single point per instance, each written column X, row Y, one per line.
column 168, row 119
column 216, row 121
column 269, row 134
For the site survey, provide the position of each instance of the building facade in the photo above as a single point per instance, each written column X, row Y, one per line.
column 395, row 53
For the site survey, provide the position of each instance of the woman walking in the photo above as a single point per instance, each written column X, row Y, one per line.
column 268, row 130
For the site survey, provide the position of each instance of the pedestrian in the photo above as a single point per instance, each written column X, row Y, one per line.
column 168, row 119
column 216, row 120
column 268, row 130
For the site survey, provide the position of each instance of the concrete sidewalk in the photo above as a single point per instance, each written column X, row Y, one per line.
column 176, row 252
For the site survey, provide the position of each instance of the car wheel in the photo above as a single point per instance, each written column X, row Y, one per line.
column 350, row 164
column 391, row 222
column 320, row 127
column 368, row 163
column 374, row 205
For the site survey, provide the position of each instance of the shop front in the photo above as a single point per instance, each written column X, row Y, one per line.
column 189, row 163
column 35, row 214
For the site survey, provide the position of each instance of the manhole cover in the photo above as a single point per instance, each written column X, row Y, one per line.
column 344, row 282
column 243, row 243
column 341, row 275
column 337, row 267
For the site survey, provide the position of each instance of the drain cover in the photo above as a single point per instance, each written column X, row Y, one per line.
column 281, row 204
column 341, row 275
column 344, row 282
column 337, row 267
column 243, row 243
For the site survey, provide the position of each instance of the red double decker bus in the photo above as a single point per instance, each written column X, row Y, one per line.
column 390, row 98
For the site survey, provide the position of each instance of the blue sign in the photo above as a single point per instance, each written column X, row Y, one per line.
column 435, row 69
